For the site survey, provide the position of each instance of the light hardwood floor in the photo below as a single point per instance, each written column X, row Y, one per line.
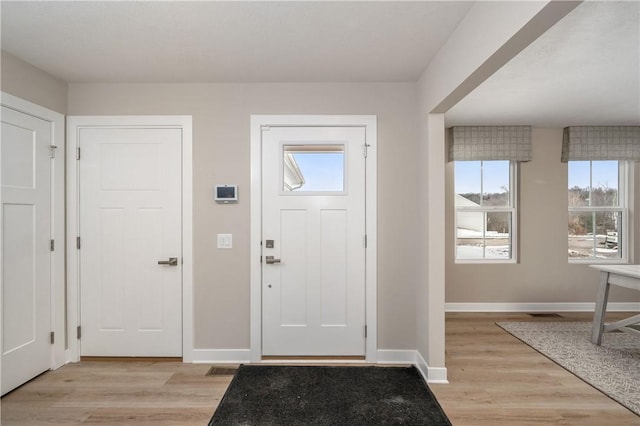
column 494, row 380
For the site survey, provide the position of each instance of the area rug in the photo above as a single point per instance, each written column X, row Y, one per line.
column 297, row 395
column 613, row 368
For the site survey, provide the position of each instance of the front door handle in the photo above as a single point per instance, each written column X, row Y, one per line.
column 173, row 261
column 270, row 260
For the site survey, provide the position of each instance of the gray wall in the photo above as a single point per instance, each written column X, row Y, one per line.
column 221, row 115
column 543, row 273
column 221, row 154
column 32, row 84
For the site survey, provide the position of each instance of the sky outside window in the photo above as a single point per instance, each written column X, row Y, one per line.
column 605, row 174
column 468, row 174
column 322, row 171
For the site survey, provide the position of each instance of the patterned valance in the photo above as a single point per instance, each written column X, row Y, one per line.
column 601, row 143
column 473, row 143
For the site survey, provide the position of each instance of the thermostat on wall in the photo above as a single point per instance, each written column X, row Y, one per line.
column 226, row 194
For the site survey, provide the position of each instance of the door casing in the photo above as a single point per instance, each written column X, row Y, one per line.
column 369, row 122
column 56, row 121
column 74, row 124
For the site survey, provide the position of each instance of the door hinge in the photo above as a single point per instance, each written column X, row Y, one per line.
column 52, row 337
column 365, row 331
column 79, row 332
column 52, row 245
column 78, row 243
column 52, row 151
column 366, row 149
column 78, row 153
column 365, row 241
column 260, row 259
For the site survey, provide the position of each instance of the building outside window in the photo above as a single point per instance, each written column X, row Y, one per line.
column 486, row 160
column 485, row 205
column 598, row 227
column 600, row 178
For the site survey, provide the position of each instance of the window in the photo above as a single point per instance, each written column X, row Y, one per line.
column 313, row 168
column 598, row 213
column 485, row 204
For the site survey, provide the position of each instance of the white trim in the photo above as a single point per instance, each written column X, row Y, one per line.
column 390, row 356
column 430, row 374
column 422, row 367
column 540, row 307
column 221, row 356
column 632, row 214
column 56, row 121
column 512, row 208
column 184, row 122
column 329, row 361
column 437, row 375
column 384, row 356
column 625, row 190
column 370, row 124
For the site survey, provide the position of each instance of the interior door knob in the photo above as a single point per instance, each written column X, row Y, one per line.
column 173, row 261
column 270, row 260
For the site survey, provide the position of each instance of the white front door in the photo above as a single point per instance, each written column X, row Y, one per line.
column 313, row 241
column 26, row 252
column 130, row 246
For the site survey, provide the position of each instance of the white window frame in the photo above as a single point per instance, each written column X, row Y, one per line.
column 512, row 208
column 625, row 179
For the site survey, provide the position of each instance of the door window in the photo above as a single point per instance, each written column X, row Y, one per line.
column 313, row 168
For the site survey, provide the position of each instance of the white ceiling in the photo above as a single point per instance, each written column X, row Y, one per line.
column 179, row 41
column 585, row 70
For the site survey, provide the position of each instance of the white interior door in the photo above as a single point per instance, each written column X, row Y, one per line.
column 313, row 241
column 130, row 220
column 26, row 253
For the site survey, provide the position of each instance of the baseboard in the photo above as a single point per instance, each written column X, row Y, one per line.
column 430, row 374
column 540, row 307
column 422, row 366
column 390, row 356
column 385, row 356
column 221, row 356
column 433, row 375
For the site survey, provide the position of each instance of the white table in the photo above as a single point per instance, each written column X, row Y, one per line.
column 620, row 275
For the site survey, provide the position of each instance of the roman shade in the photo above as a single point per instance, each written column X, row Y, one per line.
column 601, row 143
column 474, row 143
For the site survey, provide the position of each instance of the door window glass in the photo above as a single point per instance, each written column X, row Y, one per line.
column 313, row 168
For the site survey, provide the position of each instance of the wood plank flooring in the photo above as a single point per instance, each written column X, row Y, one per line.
column 494, row 380
column 120, row 392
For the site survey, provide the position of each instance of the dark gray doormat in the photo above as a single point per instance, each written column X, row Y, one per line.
column 293, row 395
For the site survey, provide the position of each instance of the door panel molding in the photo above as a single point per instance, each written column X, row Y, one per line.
column 56, row 123
column 74, row 125
column 260, row 122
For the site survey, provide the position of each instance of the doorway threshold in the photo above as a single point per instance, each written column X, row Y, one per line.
column 130, row 359
column 282, row 359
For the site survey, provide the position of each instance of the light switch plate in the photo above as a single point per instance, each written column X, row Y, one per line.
column 225, row 241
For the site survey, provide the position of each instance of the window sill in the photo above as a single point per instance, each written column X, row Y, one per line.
column 485, row 262
column 596, row 261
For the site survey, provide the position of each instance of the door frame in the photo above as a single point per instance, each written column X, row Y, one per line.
column 74, row 125
column 56, row 123
column 369, row 123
